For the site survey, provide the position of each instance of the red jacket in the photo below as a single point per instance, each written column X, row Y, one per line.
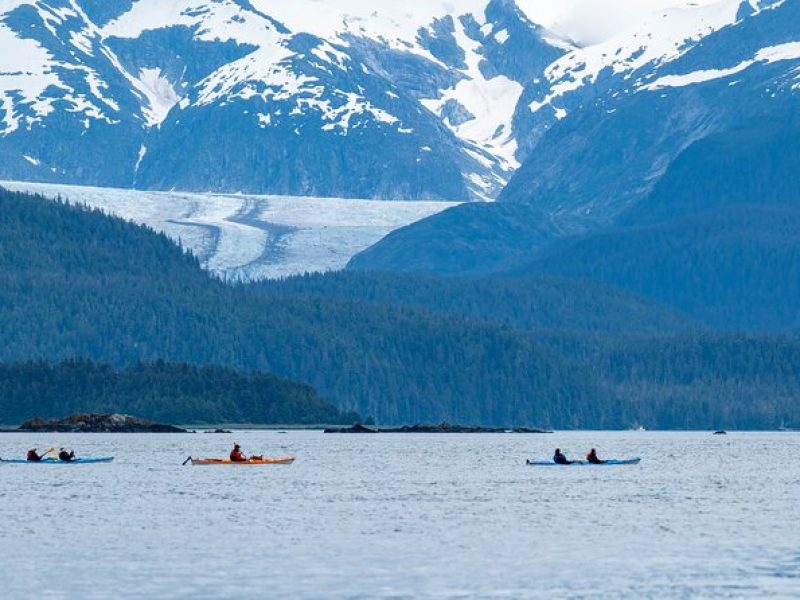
column 237, row 456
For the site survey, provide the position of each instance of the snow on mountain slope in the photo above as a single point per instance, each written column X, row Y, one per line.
column 220, row 21
column 66, row 102
column 422, row 93
column 422, row 99
column 620, row 125
column 240, row 237
column 637, row 117
column 394, row 23
column 61, row 68
column 592, row 22
column 661, row 38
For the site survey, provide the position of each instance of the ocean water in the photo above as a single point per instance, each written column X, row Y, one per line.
column 404, row 516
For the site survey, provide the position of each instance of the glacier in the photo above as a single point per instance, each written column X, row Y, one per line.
column 240, row 237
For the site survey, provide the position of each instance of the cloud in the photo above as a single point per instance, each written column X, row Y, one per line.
column 590, row 22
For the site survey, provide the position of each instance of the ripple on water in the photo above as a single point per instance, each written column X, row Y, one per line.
column 406, row 516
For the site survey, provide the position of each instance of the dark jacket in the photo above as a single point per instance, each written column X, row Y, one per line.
column 560, row 459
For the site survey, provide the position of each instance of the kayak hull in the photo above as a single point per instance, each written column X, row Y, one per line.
column 53, row 461
column 583, row 463
column 286, row 460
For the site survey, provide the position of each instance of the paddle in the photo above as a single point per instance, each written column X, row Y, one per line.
column 186, row 461
column 46, row 452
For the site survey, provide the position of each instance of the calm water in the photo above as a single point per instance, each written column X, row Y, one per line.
column 405, row 516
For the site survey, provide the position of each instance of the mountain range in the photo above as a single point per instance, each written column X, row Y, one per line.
column 627, row 110
column 644, row 203
column 358, row 101
column 427, row 100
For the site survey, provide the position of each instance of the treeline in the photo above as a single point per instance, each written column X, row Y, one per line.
column 163, row 392
column 734, row 381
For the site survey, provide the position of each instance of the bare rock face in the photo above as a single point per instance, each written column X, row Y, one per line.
column 98, row 423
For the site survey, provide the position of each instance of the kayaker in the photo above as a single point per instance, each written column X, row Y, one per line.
column 593, row 458
column 33, row 455
column 66, row 456
column 560, row 459
column 237, row 455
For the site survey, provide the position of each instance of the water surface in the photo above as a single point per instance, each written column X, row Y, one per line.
column 404, row 516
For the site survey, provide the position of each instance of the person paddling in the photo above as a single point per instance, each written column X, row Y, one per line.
column 34, row 456
column 65, row 456
column 237, row 455
column 593, row 458
column 560, row 459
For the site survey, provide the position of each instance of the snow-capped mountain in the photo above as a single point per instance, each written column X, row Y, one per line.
column 358, row 99
column 423, row 99
column 608, row 120
column 603, row 124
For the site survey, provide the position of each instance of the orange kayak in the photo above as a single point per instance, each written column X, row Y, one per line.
column 287, row 460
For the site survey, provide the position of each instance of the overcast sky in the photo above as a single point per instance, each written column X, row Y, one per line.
column 592, row 21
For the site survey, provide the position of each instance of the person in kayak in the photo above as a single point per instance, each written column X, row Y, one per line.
column 560, row 459
column 593, row 458
column 237, row 455
column 66, row 456
column 34, row 456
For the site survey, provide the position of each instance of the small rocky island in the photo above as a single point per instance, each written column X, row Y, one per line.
column 441, row 428
column 97, row 423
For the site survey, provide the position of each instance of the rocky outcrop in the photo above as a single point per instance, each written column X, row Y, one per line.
column 97, row 423
column 441, row 428
column 357, row 428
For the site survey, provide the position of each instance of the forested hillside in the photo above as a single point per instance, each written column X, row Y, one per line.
column 730, row 381
column 540, row 351
column 165, row 392
column 76, row 283
column 718, row 239
column 532, row 303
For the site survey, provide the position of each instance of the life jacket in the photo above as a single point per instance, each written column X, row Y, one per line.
column 66, row 456
column 237, row 456
column 560, row 459
column 32, row 456
column 593, row 458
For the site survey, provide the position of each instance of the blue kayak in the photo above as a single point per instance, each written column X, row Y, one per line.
column 55, row 461
column 583, row 463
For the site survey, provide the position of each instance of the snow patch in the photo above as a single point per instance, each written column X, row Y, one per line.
column 140, row 157
column 771, row 54
column 492, row 102
column 160, row 94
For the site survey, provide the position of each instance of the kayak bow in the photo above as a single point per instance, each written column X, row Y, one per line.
column 287, row 460
column 583, row 463
column 55, row 461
